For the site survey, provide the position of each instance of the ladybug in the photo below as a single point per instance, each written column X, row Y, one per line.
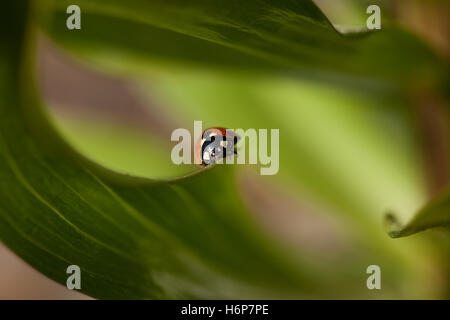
column 215, row 144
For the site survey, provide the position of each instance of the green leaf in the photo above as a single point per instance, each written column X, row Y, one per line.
column 436, row 214
column 284, row 36
column 132, row 237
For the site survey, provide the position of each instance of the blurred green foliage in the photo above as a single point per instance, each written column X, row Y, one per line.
column 348, row 148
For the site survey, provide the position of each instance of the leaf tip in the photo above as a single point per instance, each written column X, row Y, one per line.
column 392, row 225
